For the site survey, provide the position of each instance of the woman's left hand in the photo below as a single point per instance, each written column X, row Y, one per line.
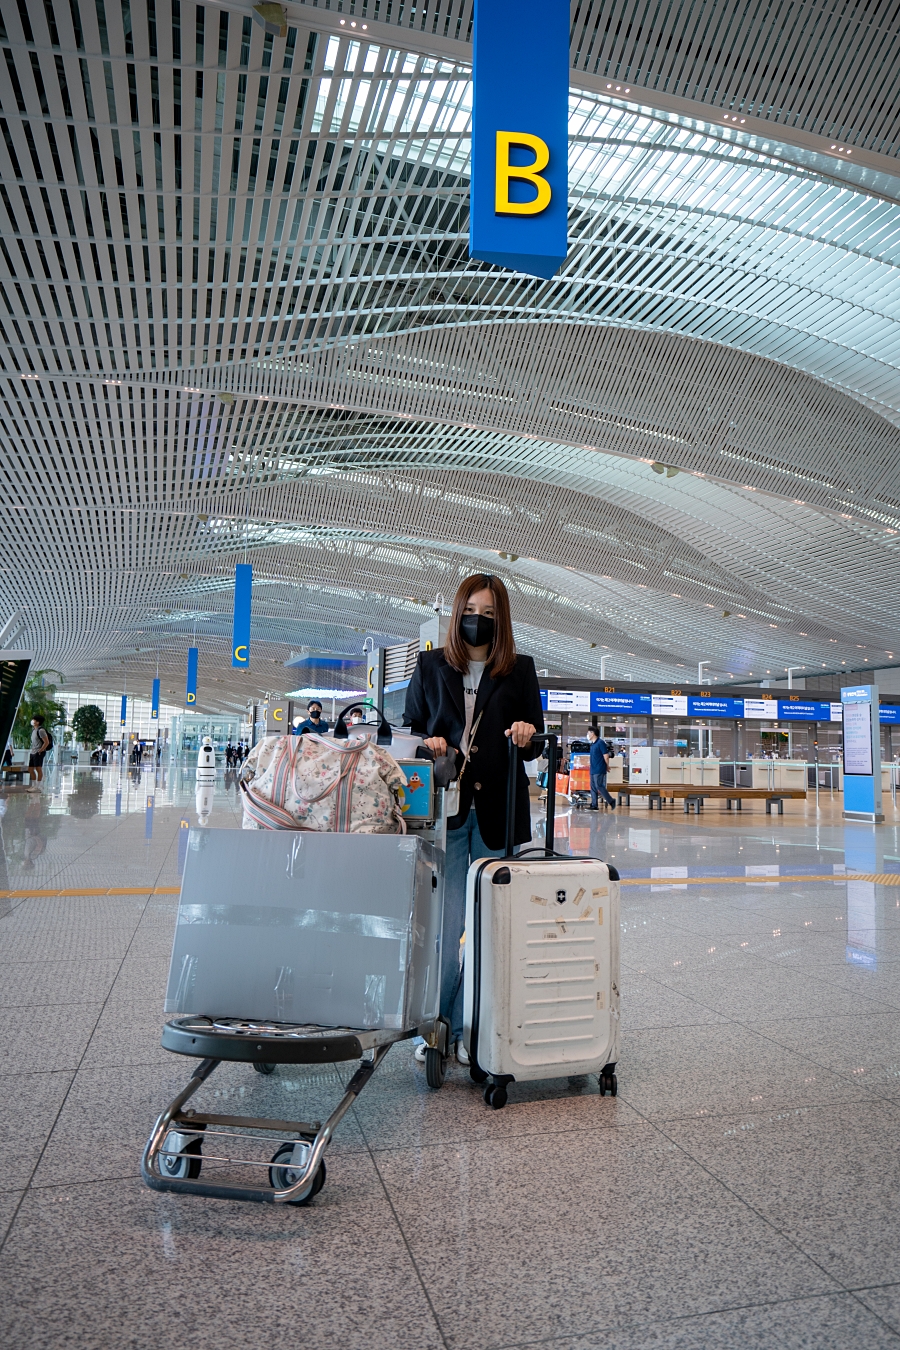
column 521, row 733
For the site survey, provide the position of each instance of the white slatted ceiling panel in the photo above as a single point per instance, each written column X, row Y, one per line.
column 833, row 69
column 205, row 246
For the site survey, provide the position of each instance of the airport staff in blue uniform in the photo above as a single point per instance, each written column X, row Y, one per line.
column 599, row 766
column 314, row 721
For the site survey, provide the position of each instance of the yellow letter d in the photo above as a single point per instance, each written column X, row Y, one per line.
column 530, row 173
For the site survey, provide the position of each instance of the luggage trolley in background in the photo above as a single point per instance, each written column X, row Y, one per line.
column 361, row 900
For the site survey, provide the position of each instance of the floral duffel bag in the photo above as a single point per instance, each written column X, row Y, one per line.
column 312, row 783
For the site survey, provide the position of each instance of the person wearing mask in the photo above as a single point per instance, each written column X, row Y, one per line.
column 40, row 744
column 314, row 721
column 599, row 769
column 467, row 699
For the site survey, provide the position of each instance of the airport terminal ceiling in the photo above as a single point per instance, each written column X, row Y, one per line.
column 239, row 322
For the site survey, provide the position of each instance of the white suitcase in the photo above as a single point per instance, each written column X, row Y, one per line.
column 541, row 980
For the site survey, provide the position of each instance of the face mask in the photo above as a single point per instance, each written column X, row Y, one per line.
column 477, row 630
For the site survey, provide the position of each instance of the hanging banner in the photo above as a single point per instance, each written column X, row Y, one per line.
column 154, row 702
column 123, row 716
column 190, row 694
column 240, row 631
column 519, row 205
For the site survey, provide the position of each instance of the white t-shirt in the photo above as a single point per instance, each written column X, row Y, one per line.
column 471, row 681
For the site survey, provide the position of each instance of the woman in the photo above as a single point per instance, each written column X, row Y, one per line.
column 466, row 699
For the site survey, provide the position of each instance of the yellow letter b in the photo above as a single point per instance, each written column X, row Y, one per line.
column 530, row 173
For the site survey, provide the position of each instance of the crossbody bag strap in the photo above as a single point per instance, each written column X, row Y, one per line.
column 469, row 745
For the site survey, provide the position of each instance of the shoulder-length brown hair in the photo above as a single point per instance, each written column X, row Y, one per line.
column 502, row 653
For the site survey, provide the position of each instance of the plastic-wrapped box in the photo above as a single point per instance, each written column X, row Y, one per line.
column 309, row 928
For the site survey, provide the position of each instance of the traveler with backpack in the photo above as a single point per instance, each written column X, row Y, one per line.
column 466, row 699
column 41, row 743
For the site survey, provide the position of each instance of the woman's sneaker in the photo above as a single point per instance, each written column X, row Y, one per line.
column 462, row 1054
column 419, row 1053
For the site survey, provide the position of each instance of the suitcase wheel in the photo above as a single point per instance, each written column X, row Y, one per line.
column 608, row 1083
column 495, row 1096
column 435, row 1066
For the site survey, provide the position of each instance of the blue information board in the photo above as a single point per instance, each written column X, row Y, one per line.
column 794, row 710
column 714, row 707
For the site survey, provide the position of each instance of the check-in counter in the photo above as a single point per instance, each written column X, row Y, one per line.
column 704, row 772
column 674, row 769
column 763, row 773
column 790, row 777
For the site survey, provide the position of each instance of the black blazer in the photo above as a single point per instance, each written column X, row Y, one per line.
column 435, row 707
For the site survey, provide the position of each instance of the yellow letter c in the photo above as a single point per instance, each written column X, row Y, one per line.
column 237, row 653
column 530, row 173
column 278, row 715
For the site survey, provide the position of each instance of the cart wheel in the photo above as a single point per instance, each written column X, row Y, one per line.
column 283, row 1177
column 498, row 1097
column 435, row 1064
column 263, row 1066
column 477, row 1074
column 183, row 1165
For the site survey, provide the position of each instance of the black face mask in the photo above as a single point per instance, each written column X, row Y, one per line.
column 477, row 630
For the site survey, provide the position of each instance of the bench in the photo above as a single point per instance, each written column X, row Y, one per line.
column 694, row 796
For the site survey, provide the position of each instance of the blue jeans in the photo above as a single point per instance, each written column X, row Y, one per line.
column 598, row 786
column 464, row 846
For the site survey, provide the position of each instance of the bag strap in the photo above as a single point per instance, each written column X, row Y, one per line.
column 469, row 745
column 266, row 813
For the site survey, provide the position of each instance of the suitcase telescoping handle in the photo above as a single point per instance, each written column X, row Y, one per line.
column 551, row 740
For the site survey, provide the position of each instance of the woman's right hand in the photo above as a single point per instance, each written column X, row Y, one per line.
column 439, row 747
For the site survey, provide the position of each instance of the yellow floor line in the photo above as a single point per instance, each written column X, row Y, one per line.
column 111, row 890
column 880, row 879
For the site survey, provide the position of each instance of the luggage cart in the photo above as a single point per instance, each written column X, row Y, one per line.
column 185, row 1142
column 175, row 1154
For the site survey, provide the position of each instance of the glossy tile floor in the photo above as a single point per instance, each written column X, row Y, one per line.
column 742, row 1190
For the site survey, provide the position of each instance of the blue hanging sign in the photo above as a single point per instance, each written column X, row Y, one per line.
column 123, row 716
column 519, row 208
column 154, row 702
column 240, row 631
column 190, row 693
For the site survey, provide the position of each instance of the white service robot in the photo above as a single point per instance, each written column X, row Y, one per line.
column 206, row 781
column 206, row 791
column 206, row 760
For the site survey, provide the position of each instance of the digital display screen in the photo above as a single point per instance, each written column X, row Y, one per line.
column 694, row 705
column 714, row 707
column 795, row 710
column 639, row 704
column 858, row 738
column 568, row 700
column 759, row 708
column 669, row 705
